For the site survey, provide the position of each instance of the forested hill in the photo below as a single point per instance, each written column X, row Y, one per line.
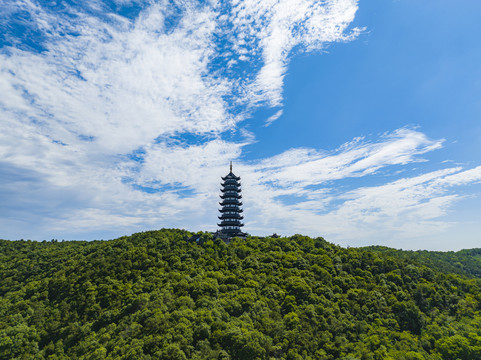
column 465, row 262
column 163, row 295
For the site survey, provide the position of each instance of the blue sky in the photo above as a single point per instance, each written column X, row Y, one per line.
column 355, row 121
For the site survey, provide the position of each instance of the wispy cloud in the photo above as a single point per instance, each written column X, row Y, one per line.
column 299, row 191
column 273, row 118
column 273, row 29
column 357, row 158
column 399, row 213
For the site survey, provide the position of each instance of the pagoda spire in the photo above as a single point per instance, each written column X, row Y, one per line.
column 230, row 213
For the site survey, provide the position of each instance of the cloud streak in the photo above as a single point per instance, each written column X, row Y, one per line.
column 303, row 190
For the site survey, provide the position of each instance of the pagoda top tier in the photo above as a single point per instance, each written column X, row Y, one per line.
column 230, row 175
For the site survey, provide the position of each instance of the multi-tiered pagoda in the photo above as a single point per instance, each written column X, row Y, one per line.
column 231, row 207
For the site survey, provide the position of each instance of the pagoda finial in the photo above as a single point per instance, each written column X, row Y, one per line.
column 231, row 166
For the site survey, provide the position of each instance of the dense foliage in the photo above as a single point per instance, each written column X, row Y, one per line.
column 465, row 262
column 167, row 295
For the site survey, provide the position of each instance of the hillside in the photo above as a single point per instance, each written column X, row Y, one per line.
column 160, row 295
column 464, row 262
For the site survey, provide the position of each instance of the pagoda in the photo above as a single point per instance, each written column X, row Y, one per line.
column 230, row 216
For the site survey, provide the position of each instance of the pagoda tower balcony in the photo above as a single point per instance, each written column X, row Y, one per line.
column 229, row 209
column 230, row 223
column 231, row 183
column 230, row 217
column 230, row 202
column 230, row 188
column 230, row 196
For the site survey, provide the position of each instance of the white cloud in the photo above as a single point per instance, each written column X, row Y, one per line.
column 308, row 167
column 274, row 28
column 398, row 213
column 273, row 118
column 124, row 84
column 298, row 192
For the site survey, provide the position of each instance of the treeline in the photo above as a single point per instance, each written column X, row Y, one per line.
column 464, row 262
column 170, row 295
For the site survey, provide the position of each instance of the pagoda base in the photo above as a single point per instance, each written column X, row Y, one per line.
column 224, row 235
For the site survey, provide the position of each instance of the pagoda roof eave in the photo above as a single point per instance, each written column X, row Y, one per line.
column 238, row 203
column 231, row 209
column 230, row 176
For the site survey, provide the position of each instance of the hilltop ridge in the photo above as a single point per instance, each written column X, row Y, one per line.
column 464, row 262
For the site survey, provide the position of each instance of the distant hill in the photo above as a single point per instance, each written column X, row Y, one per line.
column 464, row 262
column 169, row 295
